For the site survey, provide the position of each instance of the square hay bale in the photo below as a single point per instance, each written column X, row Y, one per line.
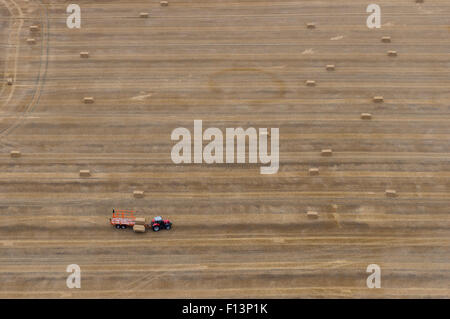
column 386, row 39
column 378, row 99
column 314, row 171
column 15, row 154
column 140, row 220
column 392, row 53
column 34, row 28
column 138, row 194
column 139, row 228
column 85, row 173
column 143, row 14
column 31, row 41
column 164, row 3
column 312, row 214
column 366, row 116
column 311, row 25
column 330, row 67
column 391, row 193
column 327, row 152
column 84, row 54
column 9, row 81
column 311, row 83
column 88, row 100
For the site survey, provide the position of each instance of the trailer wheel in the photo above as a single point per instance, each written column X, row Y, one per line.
column 124, row 226
column 155, row 228
column 118, row 226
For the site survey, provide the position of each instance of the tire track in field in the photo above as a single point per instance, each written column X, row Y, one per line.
column 40, row 80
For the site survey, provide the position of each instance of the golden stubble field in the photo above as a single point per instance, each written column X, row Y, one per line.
column 236, row 233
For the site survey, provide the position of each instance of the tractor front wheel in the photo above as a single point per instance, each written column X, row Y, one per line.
column 118, row 226
column 155, row 228
column 168, row 226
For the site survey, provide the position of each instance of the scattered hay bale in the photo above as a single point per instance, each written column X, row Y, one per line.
column 138, row 194
column 314, row 171
column 391, row 193
column 143, row 14
column 140, row 221
column 9, row 81
column 15, row 154
column 386, row 39
column 334, row 208
column 366, row 116
column 330, row 67
column 34, row 28
column 378, row 99
column 310, row 83
column 88, row 100
column 392, row 53
column 31, row 41
column 311, row 25
column 327, row 152
column 164, row 3
column 139, row 228
column 85, row 173
column 312, row 214
column 84, row 54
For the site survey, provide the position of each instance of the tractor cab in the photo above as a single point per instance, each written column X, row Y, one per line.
column 158, row 223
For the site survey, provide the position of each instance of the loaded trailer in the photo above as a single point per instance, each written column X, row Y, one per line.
column 123, row 219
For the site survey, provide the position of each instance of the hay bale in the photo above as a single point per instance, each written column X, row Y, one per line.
column 88, row 100
column 9, row 81
column 334, row 208
column 386, row 39
column 330, row 67
column 391, row 193
column 31, row 41
column 138, row 194
column 366, row 116
column 143, row 14
column 311, row 25
column 314, row 171
column 139, row 228
column 85, row 173
column 311, row 83
column 140, row 221
column 15, row 154
column 312, row 214
column 392, row 53
column 419, row 1
column 84, row 54
column 164, row 3
column 378, row 99
column 34, row 28
column 327, row 152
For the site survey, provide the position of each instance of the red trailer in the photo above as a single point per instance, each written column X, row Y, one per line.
column 122, row 218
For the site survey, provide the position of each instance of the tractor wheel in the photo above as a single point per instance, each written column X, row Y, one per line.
column 118, row 226
column 155, row 228
column 168, row 227
column 124, row 226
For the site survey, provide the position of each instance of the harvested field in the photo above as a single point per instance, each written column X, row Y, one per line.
column 236, row 232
